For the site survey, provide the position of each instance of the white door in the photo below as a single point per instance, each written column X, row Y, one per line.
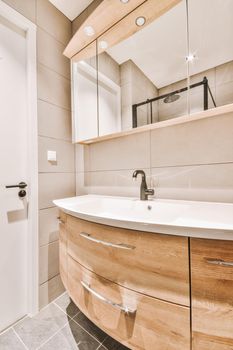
column 13, row 169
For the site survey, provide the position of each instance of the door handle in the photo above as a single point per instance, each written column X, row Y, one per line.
column 20, row 185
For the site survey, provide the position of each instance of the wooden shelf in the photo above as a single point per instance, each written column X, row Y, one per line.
column 179, row 120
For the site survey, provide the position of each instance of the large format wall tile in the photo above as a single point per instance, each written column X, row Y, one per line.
column 26, row 7
column 199, row 142
column 50, row 290
column 54, row 186
column 54, row 121
column 118, row 183
column 48, row 261
column 48, row 225
column 53, row 21
column 53, row 88
column 65, row 155
column 212, row 182
column 130, row 152
column 50, row 53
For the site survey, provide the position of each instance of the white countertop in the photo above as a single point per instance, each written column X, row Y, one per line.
column 175, row 217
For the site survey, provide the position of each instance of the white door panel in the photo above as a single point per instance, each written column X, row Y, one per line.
column 13, row 169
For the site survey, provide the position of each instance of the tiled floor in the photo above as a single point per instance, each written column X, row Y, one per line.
column 59, row 326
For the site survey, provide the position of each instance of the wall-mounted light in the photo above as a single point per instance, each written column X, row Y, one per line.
column 89, row 30
column 124, row 1
column 190, row 57
column 140, row 21
column 103, row 44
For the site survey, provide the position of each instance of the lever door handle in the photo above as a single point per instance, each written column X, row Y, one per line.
column 20, row 185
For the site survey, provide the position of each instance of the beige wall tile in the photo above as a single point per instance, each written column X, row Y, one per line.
column 79, row 157
column 65, row 155
column 113, row 183
column 50, row 290
column 224, row 73
column 212, row 182
column 53, row 88
column 54, row 121
column 53, row 21
column 200, row 142
column 54, row 186
column 26, row 7
column 50, row 53
column 48, row 261
column 130, row 152
column 224, row 94
column 48, row 226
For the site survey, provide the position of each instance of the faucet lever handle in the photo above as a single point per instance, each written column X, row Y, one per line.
column 150, row 191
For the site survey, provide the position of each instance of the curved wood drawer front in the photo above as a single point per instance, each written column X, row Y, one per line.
column 212, row 294
column 155, row 324
column 153, row 264
column 63, row 253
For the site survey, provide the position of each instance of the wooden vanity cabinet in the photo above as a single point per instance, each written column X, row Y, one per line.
column 151, row 275
column 127, row 290
column 150, row 323
column 212, row 294
column 152, row 264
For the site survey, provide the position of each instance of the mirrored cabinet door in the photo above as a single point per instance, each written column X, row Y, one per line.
column 84, row 95
column 210, row 61
column 143, row 79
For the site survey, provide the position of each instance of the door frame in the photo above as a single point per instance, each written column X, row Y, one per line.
column 29, row 27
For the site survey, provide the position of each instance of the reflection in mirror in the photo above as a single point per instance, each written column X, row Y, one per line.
column 84, row 95
column 143, row 79
column 210, row 24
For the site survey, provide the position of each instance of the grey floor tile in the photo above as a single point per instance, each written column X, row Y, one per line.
column 10, row 341
column 37, row 330
column 90, row 327
column 112, row 344
column 67, row 305
column 71, row 337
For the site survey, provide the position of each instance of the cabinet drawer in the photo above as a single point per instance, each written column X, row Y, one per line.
column 212, row 294
column 153, row 264
column 63, row 253
column 150, row 324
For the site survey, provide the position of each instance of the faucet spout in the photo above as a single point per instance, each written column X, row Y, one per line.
column 144, row 191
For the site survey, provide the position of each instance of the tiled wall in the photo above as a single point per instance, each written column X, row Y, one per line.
column 56, row 180
column 220, row 80
column 188, row 161
column 136, row 88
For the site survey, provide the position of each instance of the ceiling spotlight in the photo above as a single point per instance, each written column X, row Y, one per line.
column 124, row 1
column 89, row 30
column 103, row 44
column 140, row 21
column 190, row 57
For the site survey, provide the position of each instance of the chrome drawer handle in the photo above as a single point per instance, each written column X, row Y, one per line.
column 108, row 244
column 219, row 262
column 120, row 307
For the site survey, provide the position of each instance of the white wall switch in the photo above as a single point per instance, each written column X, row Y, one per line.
column 52, row 156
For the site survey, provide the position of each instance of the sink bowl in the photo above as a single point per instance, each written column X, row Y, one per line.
column 186, row 218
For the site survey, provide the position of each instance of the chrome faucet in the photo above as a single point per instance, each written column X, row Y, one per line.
column 144, row 191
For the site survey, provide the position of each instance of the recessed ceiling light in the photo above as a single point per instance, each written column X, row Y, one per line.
column 103, row 44
column 89, row 30
column 190, row 57
column 140, row 21
column 124, row 1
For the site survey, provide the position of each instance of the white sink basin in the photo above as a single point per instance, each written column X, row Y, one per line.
column 186, row 218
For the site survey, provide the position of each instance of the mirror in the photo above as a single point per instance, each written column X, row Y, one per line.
column 143, row 79
column 210, row 26
column 84, row 95
column 163, row 60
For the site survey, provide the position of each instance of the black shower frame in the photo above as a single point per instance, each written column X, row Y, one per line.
column 206, row 90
